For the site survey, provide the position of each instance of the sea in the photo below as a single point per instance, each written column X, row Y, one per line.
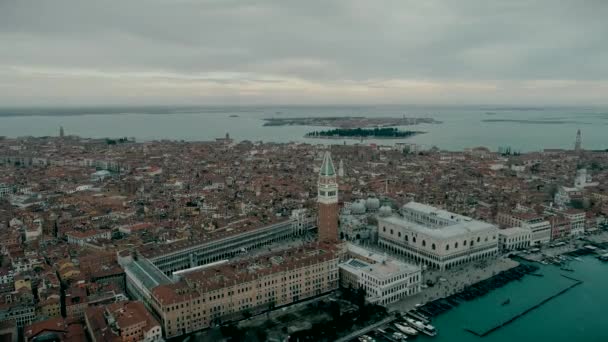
column 523, row 129
column 577, row 315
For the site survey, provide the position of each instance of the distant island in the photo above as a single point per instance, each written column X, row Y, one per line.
column 362, row 133
column 348, row 121
column 539, row 122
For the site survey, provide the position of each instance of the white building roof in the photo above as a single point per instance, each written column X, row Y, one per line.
column 384, row 267
column 514, row 231
column 445, row 232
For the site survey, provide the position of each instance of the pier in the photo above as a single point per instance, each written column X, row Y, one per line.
column 530, row 309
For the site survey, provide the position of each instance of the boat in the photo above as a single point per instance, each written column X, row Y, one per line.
column 234, row 116
column 426, row 329
column 417, row 315
column 506, row 302
column 406, row 330
column 430, row 330
column 398, row 336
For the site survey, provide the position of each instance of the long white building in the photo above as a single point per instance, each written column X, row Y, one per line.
column 437, row 238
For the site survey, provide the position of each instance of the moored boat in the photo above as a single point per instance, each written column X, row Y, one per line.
column 426, row 329
column 406, row 329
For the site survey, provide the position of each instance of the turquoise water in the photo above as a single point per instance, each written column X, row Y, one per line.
column 462, row 127
column 578, row 315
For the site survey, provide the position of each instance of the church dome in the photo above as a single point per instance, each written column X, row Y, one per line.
column 372, row 204
column 358, row 207
column 385, row 210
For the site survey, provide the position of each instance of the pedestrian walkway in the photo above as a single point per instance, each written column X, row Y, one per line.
column 453, row 281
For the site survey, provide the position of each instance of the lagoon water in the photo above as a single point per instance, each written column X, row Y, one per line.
column 577, row 315
column 523, row 129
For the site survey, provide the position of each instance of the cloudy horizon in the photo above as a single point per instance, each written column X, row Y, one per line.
column 223, row 52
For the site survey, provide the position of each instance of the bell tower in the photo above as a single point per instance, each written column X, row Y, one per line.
column 328, row 201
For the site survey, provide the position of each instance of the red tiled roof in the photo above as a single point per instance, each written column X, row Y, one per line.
column 218, row 277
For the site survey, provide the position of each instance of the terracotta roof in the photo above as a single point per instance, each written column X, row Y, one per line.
column 238, row 272
column 124, row 313
column 57, row 325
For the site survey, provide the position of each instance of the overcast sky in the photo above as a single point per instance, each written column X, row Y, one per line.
column 303, row 52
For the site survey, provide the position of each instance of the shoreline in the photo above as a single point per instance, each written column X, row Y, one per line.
column 349, row 122
column 360, row 138
column 471, row 275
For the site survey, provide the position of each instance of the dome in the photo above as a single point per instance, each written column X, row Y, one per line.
column 385, row 210
column 358, row 207
column 372, row 203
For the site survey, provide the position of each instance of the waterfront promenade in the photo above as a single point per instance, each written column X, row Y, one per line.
column 453, row 281
column 570, row 246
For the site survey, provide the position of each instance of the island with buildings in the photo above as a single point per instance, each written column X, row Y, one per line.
column 362, row 133
column 217, row 240
column 349, row 121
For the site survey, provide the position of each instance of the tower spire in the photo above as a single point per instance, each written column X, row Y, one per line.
column 579, row 141
column 327, row 167
column 327, row 200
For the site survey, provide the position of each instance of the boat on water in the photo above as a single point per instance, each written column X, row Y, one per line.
column 430, row 330
column 506, row 302
column 426, row 329
column 406, row 329
column 399, row 336
column 418, row 316
column 234, row 116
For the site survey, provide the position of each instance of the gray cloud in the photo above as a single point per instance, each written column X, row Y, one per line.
column 333, row 51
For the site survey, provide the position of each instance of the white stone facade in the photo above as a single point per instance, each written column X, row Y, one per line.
column 385, row 280
column 541, row 232
column 437, row 238
column 515, row 238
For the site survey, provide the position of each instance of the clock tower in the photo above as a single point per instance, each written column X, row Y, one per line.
column 328, row 201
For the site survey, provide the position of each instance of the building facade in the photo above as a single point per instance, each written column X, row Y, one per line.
column 385, row 280
column 514, row 238
column 230, row 290
column 80, row 238
column 436, row 238
column 541, row 232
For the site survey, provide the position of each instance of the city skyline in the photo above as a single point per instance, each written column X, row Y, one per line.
column 332, row 171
